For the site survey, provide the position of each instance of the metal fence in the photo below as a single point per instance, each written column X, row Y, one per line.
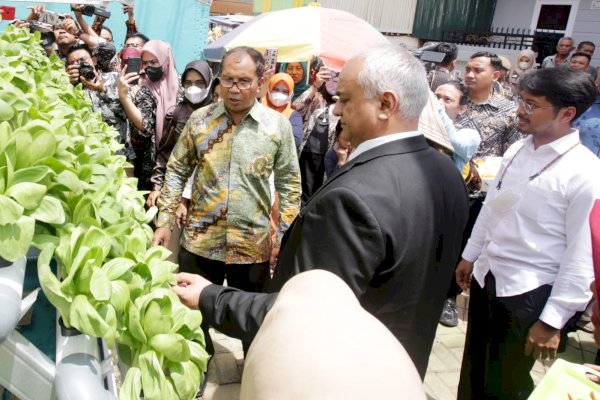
column 541, row 41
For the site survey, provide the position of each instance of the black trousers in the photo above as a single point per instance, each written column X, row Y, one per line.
column 312, row 172
column 494, row 363
column 248, row 277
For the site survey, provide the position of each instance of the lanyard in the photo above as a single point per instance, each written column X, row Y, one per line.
column 532, row 177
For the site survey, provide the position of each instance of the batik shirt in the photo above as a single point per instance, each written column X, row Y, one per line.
column 496, row 122
column 112, row 111
column 228, row 218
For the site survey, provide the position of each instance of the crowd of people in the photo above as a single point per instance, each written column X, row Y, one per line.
column 261, row 175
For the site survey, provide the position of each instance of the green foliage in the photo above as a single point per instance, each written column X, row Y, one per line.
column 64, row 190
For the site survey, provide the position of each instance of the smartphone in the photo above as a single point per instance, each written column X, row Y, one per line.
column 134, row 64
column 270, row 59
column 8, row 13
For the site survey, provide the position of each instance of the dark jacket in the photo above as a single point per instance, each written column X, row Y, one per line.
column 390, row 224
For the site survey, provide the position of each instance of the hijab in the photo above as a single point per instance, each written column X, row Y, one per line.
column 516, row 72
column 286, row 109
column 166, row 89
column 303, row 85
column 204, row 70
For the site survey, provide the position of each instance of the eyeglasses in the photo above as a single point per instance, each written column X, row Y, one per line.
column 241, row 85
column 133, row 45
column 528, row 108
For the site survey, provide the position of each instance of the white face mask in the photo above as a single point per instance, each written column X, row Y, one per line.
column 195, row 95
column 523, row 65
column 278, row 99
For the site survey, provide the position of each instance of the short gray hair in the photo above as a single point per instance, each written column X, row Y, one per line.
column 393, row 68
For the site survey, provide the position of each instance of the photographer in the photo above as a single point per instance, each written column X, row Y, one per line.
column 102, row 45
column 102, row 90
column 64, row 37
column 442, row 72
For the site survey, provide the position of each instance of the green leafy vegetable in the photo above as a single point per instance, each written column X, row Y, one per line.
column 64, row 189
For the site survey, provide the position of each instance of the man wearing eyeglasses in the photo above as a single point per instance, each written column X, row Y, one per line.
column 528, row 262
column 235, row 144
column 380, row 222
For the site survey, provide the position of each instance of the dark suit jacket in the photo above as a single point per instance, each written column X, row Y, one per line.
column 390, row 224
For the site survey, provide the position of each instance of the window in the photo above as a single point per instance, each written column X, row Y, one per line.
column 554, row 17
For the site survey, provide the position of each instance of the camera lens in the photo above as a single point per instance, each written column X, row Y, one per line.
column 87, row 71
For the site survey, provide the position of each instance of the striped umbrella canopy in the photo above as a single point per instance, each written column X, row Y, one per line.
column 301, row 33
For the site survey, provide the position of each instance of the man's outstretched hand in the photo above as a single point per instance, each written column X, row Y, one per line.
column 189, row 287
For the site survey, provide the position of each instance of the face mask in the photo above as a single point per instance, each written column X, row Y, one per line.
column 331, row 86
column 278, row 99
column 154, row 73
column 523, row 65
column 195, row 95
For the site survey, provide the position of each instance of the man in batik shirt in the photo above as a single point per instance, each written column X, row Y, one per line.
column 234, row 145
column 494, row 116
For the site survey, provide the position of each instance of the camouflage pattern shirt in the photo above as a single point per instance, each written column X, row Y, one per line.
column 228, row 218
column 496, row 122
column 112, row 111
column 143, row 142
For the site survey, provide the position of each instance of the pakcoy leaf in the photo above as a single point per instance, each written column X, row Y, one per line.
column 154, row 383
column 11, row 210
column 171, row 345
column 132, row 385
column 100, row 285
column 50, row 210
column 186, row 379
column 87, row 319
column 120, row 295
column 15, row 238
column 32, row 174
column 117, row 267
column 27, row 194
column 51, row 286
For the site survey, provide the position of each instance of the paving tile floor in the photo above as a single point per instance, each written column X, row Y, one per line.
column 441, row 380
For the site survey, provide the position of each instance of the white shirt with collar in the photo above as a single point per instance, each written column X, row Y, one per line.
column 535, row 232
column 381, row 140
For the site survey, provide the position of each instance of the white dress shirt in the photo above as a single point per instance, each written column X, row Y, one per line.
column 532, row 233
column 372, row 143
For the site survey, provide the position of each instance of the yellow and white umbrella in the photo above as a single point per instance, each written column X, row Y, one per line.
column 301, row 33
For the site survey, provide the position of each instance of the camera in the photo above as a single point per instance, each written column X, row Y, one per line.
column 90, row 9
column 87, row 71
column 51, row 18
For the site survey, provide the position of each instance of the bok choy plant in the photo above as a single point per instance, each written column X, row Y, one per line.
column 64, row 190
